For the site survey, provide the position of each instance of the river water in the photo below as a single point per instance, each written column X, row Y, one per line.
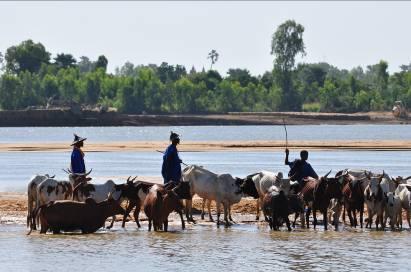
column 243, row 247
column 203, row 247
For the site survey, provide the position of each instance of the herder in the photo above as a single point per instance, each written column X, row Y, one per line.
column 77, row 156
column 300, row 168
column 171, row 168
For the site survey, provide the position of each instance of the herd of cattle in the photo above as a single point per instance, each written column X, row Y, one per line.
column 77, row 204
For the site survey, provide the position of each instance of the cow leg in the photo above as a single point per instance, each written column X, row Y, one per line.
column 130, row 206
column 149, row 224
column 188, row 209
column 315, row 217
column 229, row 214
column 325, row 219
column 202, row 209
column 183, row 226
column 287, row 221
column 343, row 214
column 209, row 211
column 307, row 217
column 361, row 216
column 136, row 215
column 226, row 214
column 295, row 219
column 165, row 225
column 258, row 210
column 218, row 212
column 113, row 218
column 408, row 218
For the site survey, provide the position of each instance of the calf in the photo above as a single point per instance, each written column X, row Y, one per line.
column 69, row 215
column 404, row 195
column 161, row 201
column 275, row 208
column 260, row 182
column 393, row 210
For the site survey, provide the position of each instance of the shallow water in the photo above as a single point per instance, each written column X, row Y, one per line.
column 20, row 166
column 206, row 133
column 243, row 247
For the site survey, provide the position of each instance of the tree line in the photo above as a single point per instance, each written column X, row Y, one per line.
column 30, row 77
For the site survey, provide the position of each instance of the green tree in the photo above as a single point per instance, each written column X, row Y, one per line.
column 10, row 92
column 85, row 65
column 65, row 60
column 287, row 42
column 102, row 62
column 50, row 86
column 27, row 56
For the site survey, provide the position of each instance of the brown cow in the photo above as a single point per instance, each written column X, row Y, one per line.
column 67, row 215
column 135, row 193
column 161, row 201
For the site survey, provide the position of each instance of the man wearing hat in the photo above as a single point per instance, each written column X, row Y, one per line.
column 171, row 169
column 77, row 156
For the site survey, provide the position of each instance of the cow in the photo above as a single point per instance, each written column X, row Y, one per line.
column 374, row 199
column 135, row 193
column 393, row 210
column 51, row 190
column 161, row 201
column 99, row 192
column 353, row 197
column 32, row 197
column 223, row 189
column 260, row 182
column 275, row 207
column 404, row 194
column 317, row 195
column 68, row 215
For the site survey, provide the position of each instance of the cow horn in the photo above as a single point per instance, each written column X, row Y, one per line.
column 326, row 175
column 407, row 178
column 67, row 171
column 88, row 173
column 128, row 179
column 52, row 176
column 134, row 178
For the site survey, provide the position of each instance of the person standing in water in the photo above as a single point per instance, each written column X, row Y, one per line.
column 171, row 168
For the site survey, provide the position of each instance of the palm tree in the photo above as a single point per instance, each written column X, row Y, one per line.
column 213, row 56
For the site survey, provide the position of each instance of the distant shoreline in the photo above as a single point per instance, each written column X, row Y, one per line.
column 204, row 146
column 64, row 117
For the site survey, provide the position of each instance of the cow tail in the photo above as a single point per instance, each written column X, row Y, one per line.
column 29, row 209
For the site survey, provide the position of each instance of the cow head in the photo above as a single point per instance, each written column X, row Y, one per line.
column 373, row 191
column 77, row 178
column 182, row 190
column 113, row 206
column 247, row 186
column 390, row 199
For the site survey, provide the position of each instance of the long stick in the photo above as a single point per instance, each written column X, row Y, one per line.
column 286, row 134
column 163, row 153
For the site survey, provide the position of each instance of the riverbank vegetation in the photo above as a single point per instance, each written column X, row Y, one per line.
column 31, row 77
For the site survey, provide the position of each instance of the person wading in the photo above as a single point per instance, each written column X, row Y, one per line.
column 171, row 168
column 77, row 156
column 300, row 168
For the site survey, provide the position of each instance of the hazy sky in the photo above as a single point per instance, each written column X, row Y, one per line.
column 345, row 34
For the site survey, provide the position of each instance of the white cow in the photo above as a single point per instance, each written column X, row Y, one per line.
column 262, row 181
column 393, row 210
column 374, row 199
column 223, row 189
column 404, row 194
column 32, row 198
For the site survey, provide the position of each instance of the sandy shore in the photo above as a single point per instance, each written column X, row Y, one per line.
column 198, row 146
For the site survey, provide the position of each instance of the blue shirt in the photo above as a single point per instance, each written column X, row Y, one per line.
column 171, row 169
column 307, row 171
column 77, row 161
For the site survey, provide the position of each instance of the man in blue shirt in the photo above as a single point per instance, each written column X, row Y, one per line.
column 77, row 156
column 300, row 169
column 171, row 168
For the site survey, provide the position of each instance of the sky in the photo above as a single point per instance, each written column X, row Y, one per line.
column 344, row 34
